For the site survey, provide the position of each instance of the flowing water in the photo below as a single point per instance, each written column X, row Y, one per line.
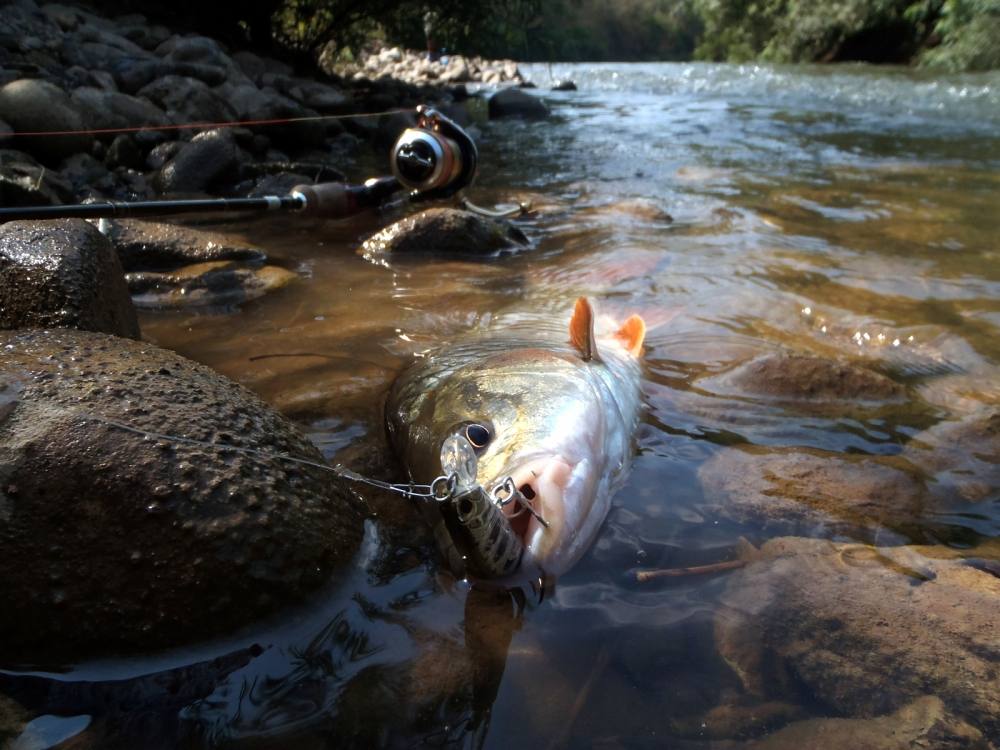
column 846, row 212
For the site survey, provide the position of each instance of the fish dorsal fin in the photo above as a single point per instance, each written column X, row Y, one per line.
column 581, row 330
column 632, row 334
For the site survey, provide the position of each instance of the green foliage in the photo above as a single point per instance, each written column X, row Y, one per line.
column 956, row 34
column 969, row 32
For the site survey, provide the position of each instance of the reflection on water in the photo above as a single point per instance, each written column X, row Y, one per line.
column 838, row 213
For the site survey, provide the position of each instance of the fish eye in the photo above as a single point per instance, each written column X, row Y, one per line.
column 479, row 435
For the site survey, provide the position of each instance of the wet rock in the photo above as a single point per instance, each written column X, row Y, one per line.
column 30, row 106
column 925, row 723
column 25, row 182
column 123, row 152
column 150, row 245
column 804, row 378
column 865, row 630
column 812, row 491
column 564, row 85
column 188, row 100
column 62, row 274
column 515, row 103
column 114, row 541
column 162, row 153
column 445, row 231
column 315, row 171
column 214, row 284
column 111, row 109
column 281, row 183
column 210, row 158
column 82, row 171
column 964, row 456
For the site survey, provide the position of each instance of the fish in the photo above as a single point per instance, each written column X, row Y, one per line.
column 556, row 414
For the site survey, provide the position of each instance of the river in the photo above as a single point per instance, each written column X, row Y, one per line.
column 846, row 212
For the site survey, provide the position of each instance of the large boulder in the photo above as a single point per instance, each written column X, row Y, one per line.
column 210, row 157
column 116, row 539
column 62, row 274
column 866, row 630
column 515, row 103
column 33, row 106
column 447, row 232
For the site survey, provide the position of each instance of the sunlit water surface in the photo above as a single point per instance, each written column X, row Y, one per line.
column 773, row 210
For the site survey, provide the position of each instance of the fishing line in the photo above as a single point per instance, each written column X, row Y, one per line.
column 208, row 125
column 440, row 489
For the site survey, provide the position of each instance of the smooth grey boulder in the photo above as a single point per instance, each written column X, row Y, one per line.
column 62, row 274
column 113, row 540
column 444, row 231
column 32, row 106
column 513, row 102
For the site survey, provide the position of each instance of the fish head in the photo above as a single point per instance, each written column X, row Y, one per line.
column 543, row 416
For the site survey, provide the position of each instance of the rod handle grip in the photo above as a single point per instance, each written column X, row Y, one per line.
column 326, row 199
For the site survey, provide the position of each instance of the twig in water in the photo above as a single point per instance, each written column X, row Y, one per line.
column 697, row 570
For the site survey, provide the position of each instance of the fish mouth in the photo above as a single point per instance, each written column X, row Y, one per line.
column 543, row 482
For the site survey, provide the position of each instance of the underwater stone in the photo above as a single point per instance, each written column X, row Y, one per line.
column 866, row 630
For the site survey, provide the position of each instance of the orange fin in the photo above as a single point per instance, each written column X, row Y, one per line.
column 632, row 334
column 581, row 330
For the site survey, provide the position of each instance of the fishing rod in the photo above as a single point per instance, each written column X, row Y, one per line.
column 433, row 160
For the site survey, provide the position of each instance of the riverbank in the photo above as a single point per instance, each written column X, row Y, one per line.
column 132, row 101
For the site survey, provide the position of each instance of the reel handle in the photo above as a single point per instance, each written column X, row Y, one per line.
column 337, row 199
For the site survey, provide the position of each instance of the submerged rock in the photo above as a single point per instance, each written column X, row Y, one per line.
column 62, row 274
column 112, row 540
column 924, row 723
column 805, row 378
column 214, row 284
column 515, row 103
column 152, row 245
column 444, row 231
column 964, row 456
column 814, row 491
column 865, row 630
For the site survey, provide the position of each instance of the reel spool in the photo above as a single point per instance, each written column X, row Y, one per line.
column 435, row 159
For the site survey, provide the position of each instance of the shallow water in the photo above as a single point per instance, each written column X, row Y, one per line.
column 847, row 212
